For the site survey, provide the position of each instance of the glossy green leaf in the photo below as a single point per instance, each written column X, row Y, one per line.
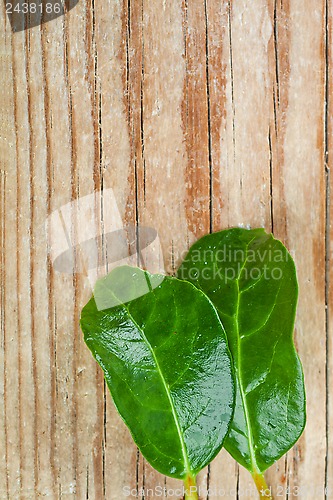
column 167, row 363
column 251, row 279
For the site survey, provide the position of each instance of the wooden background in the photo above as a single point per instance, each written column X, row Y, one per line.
column 200, row 115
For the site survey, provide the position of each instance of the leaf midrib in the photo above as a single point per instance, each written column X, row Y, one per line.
column 238, row 369
column 166, row 388
column 238, row 366
column 242, row 393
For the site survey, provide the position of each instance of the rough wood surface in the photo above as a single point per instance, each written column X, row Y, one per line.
column 199, row 115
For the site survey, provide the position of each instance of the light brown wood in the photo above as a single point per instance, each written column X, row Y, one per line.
column 199, row 115
column 328, row 243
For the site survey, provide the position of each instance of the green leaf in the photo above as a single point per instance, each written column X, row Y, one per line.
column 167, row 363
column 251, row 279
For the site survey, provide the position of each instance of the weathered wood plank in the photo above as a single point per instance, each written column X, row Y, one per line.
column 329, row 246
column 82, row 101
column 243, row 169
column 120, row 465
column 298, row 211
column 160, row 134
column 9, row 353
column 241, row 150
column 199, row 116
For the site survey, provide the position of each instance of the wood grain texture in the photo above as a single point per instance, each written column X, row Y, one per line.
column 198, row 115
column 329, row 241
